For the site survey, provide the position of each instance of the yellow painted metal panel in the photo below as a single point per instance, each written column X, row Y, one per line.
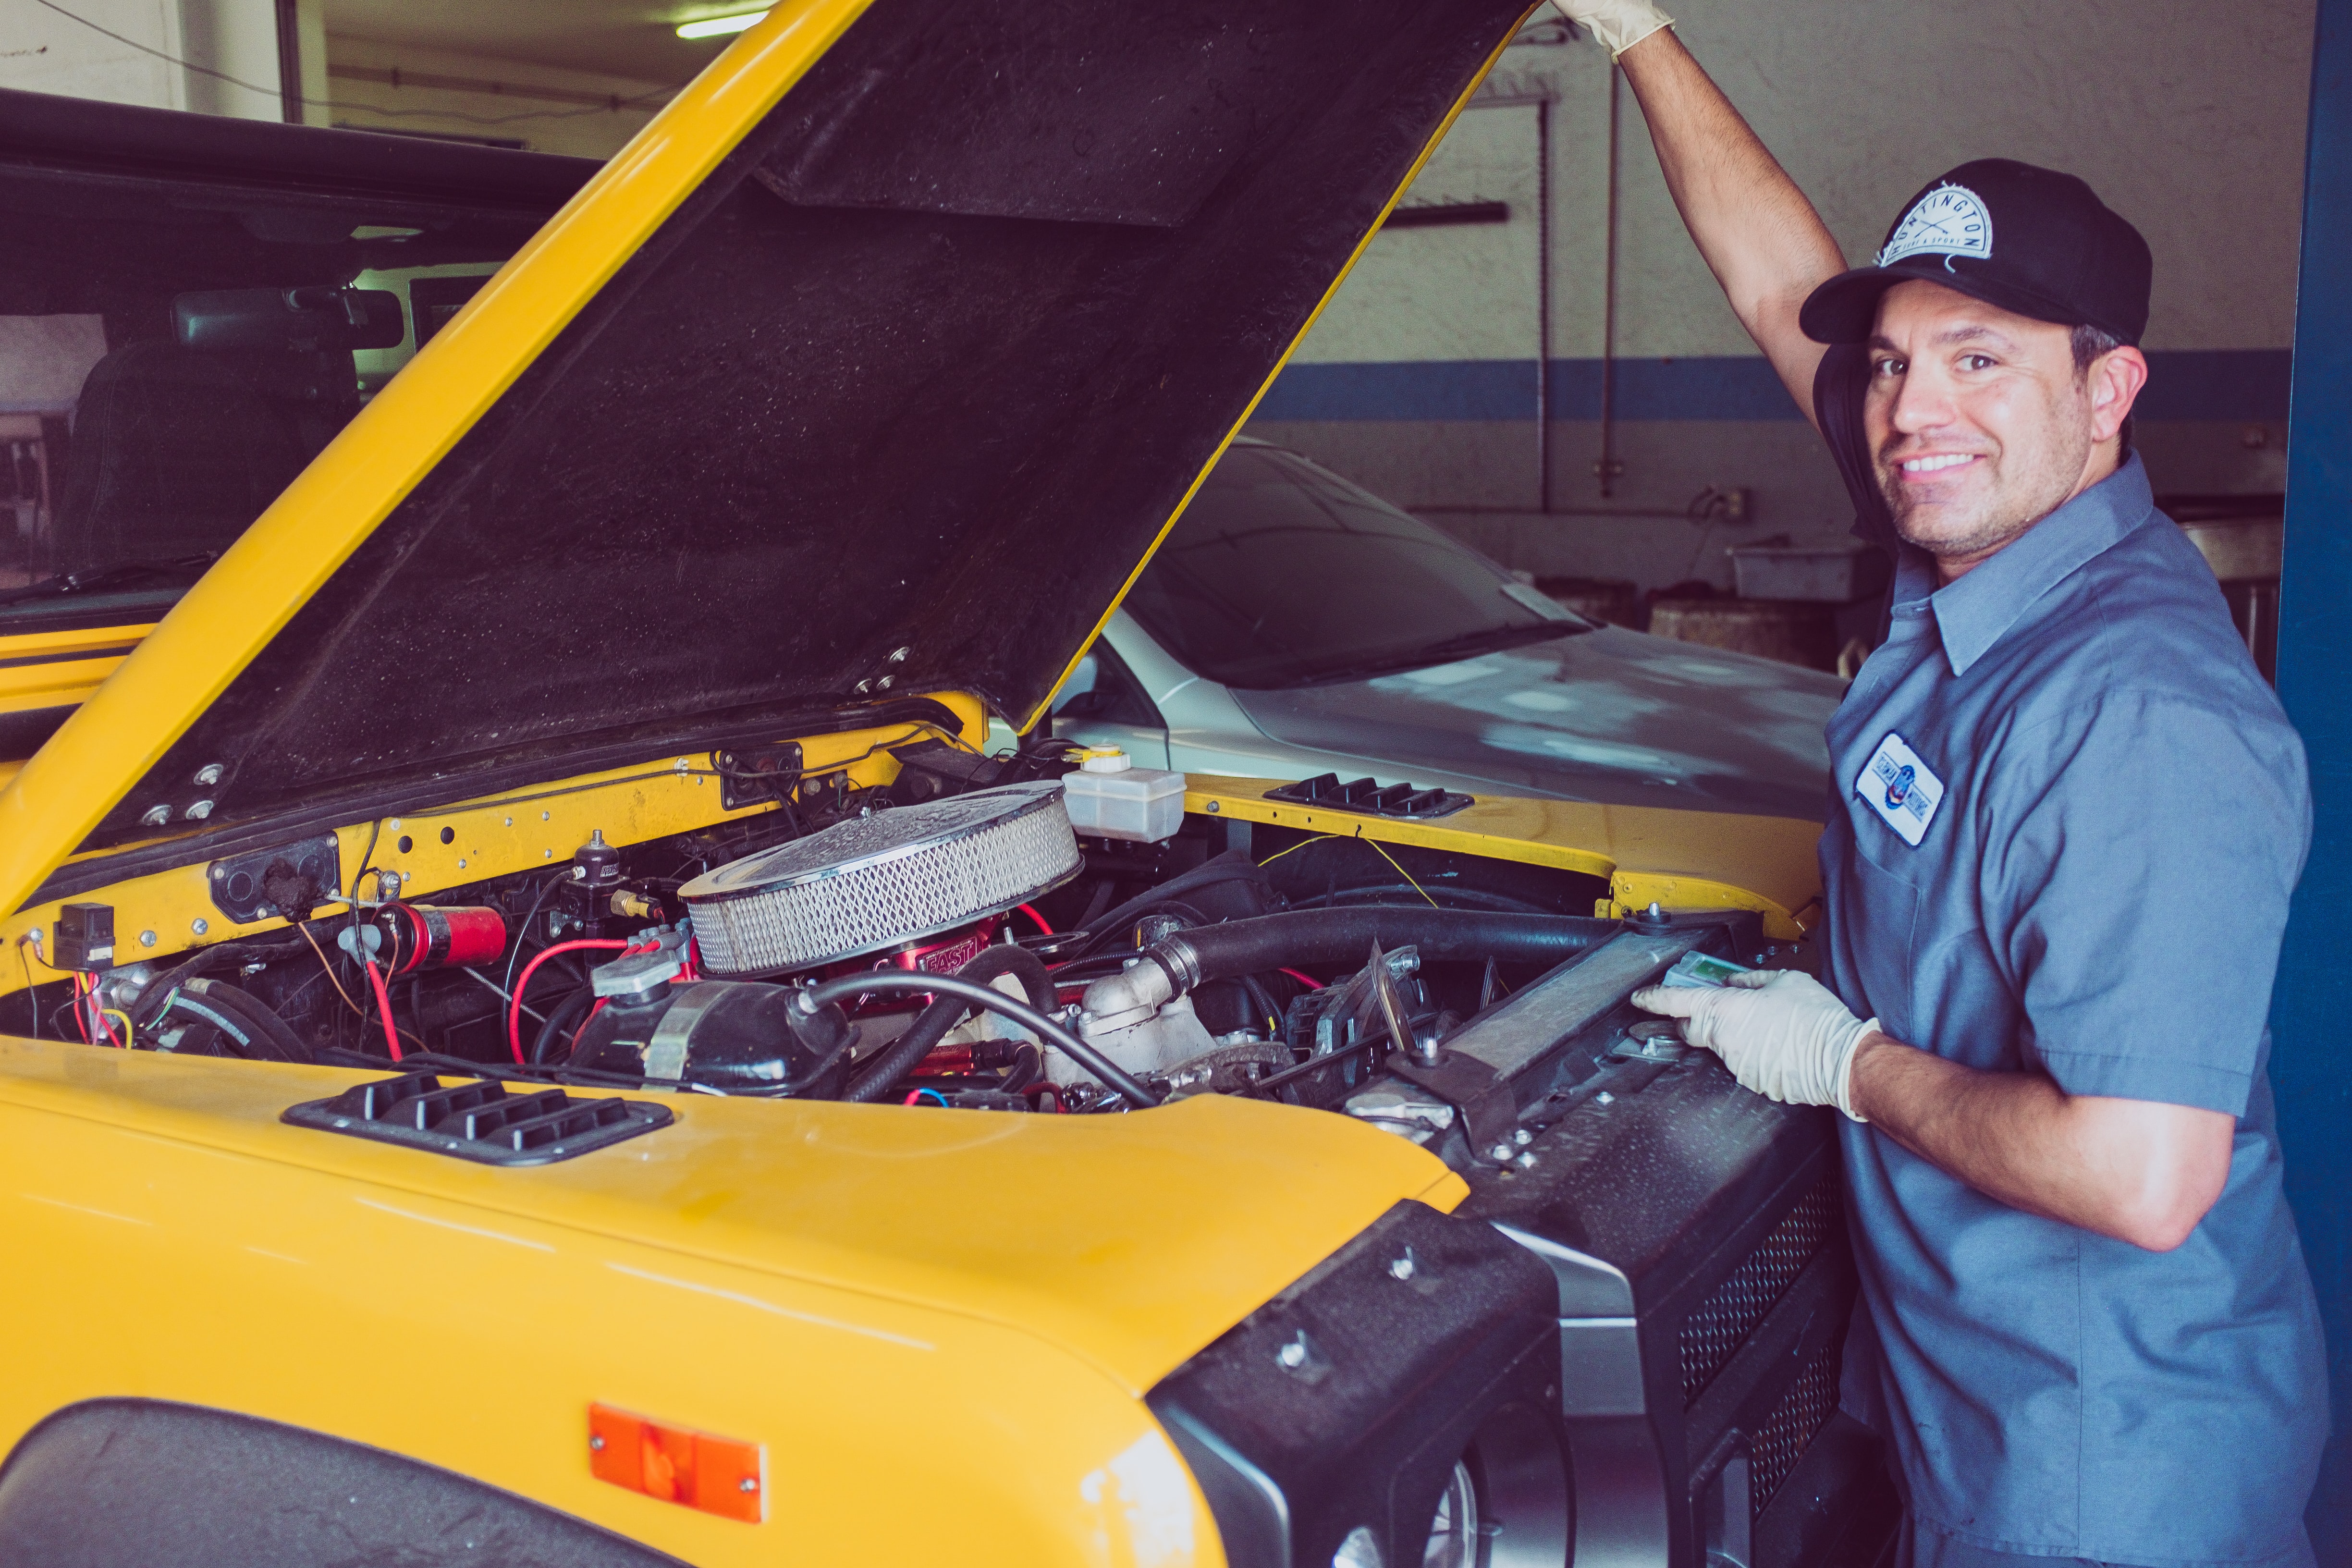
column 147, row 1265
column 1128, row 1242
column 520, row 831
column 1679, row 859
column 58, row 670
column 233, row 611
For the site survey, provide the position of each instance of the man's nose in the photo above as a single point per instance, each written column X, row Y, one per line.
column 1923, row 402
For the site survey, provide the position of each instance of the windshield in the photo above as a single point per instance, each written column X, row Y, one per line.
column 172, row 354
column 1283, row 574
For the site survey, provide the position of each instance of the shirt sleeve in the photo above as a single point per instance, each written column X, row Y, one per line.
column 2139, row 899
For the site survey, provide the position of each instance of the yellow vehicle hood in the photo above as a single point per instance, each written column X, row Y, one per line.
column 1089, row 1232
column 874, row 366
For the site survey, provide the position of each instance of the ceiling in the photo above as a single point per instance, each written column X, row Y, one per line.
column 635, row 39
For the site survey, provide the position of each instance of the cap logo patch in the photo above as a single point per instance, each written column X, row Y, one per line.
column 1949, row 220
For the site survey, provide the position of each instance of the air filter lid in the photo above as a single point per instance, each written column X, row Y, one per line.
column 874, row 882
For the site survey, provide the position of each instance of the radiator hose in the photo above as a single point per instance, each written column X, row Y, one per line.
column 1176, row 965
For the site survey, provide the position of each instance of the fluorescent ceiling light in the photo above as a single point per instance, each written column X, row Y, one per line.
column 718, row 26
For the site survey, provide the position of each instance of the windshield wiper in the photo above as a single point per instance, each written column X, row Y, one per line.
column 99, row 579
column 1446, row 650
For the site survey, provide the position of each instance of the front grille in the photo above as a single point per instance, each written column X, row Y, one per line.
column 1719, row 1325
column 1802, row 1411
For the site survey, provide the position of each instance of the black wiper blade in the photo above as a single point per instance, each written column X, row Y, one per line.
column 97, row 580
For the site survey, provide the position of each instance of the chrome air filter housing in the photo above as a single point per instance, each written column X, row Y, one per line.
column 874, row 882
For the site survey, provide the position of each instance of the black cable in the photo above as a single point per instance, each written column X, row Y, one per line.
column 850, row 986
column 1263, row 1000
column 901, row 1055
column 515, row 958
column 1456, row 897
column 561, row 1021
column 1276, row 1080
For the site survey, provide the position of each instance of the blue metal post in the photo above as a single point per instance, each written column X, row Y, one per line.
column 2311, row 1013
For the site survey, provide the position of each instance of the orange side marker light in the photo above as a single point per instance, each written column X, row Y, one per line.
column 724, row 1476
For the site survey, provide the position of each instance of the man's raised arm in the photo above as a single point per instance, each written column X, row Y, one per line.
column 1766, row 244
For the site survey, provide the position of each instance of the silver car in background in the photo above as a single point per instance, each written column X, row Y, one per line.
column 1293, row 624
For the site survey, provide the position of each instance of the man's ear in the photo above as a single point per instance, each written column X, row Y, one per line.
column 2114, row 379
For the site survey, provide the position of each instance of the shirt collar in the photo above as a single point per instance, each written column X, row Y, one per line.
column 1973, row 614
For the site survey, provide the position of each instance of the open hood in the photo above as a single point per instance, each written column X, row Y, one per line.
column 876, row 366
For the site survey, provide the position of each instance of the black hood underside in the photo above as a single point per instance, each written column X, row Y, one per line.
column 907, row 388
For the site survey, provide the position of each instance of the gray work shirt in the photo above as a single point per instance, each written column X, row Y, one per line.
column 2114, row 814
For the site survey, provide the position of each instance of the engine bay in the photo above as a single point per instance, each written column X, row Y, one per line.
column 941, row 936
column 947, row 939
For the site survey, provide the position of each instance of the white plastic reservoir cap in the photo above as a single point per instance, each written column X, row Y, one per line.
column 1103, row 760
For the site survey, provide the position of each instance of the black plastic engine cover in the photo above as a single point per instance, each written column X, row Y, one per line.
column 729, row 1034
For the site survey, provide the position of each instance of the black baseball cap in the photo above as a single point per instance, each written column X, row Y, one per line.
column 2029, row 240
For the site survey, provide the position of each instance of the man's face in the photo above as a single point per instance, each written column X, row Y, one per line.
column 1978, row 423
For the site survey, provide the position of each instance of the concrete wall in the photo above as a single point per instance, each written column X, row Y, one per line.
column 1420, row 380
column 220, row 56
column 562, row 122
column 165, row 54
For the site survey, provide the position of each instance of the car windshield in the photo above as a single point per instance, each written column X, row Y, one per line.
column 1281, row 573
column 171, row 355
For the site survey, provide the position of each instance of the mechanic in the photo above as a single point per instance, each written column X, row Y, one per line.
column 2068, row 817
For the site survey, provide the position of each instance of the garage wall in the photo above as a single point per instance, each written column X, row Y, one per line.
column 162, row 54
column 1420, row 380
column 399, row 86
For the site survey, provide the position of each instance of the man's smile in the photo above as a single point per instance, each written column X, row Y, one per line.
column 1938, row 462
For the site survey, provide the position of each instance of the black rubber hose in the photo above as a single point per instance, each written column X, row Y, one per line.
column 264, row 1035
column 148, row 1009
column 1405, row 893
column 894, row 1060
column 1303, row 937
column 1232, row 865
column 849, row 986
column 1024, row 1071
column 273, row 1026
column 560, row 1023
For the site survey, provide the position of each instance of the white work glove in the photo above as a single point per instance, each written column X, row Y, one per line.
column 1619, row 24
column 1781, row 1032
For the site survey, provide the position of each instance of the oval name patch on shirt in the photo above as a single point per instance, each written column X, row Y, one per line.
column 1901, row 788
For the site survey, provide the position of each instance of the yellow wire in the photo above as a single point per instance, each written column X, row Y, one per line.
column 1401, row 871
column 331, row 969
column 1295, row 847
column 119, row 1012
column 1360, row 839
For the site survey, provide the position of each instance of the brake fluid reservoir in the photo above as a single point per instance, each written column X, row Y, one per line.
column 1110, row 797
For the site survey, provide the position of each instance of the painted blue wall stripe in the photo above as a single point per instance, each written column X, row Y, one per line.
column 2216, row 383
column 2311, row 1009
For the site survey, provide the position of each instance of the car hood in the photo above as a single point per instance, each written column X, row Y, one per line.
column 874, row 366
column 1609, row 716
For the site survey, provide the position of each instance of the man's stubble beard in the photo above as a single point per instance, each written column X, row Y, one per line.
column 2015, row 506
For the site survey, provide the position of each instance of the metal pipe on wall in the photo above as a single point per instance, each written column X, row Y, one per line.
column 1543, row 304
column 1607, row 468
